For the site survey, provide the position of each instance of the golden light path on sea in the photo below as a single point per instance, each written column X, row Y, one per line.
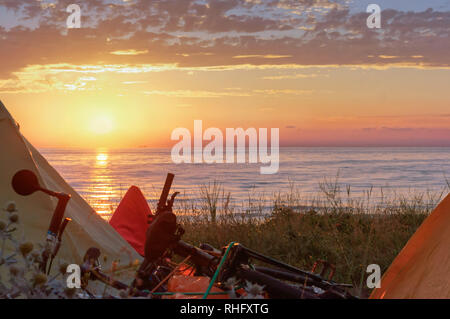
column 103, row 191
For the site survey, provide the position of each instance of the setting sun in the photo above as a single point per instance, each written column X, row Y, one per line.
column 101, row 124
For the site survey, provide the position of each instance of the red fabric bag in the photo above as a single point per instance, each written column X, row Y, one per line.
column 131, row 218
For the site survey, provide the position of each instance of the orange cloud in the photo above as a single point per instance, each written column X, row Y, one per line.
column 129, row 52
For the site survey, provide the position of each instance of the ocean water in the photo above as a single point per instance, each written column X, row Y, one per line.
column 103, row 176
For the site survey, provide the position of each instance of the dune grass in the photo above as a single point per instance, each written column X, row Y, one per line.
column 348, row 229
column 349, row 232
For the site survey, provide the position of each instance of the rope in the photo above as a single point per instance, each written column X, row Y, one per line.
column 222, row 261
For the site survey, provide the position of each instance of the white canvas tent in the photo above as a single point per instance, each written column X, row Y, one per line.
column 422, row 269
column 87, row 229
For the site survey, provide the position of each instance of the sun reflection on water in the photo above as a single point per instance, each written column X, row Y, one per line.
column 103, row 192
column 102, row 159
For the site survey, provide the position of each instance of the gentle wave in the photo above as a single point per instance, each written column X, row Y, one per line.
column 103, row 176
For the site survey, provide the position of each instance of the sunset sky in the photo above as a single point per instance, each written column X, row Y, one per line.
column 137, row 69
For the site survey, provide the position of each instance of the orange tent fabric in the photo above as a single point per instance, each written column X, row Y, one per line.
column 131, row 218
column 422, row 268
